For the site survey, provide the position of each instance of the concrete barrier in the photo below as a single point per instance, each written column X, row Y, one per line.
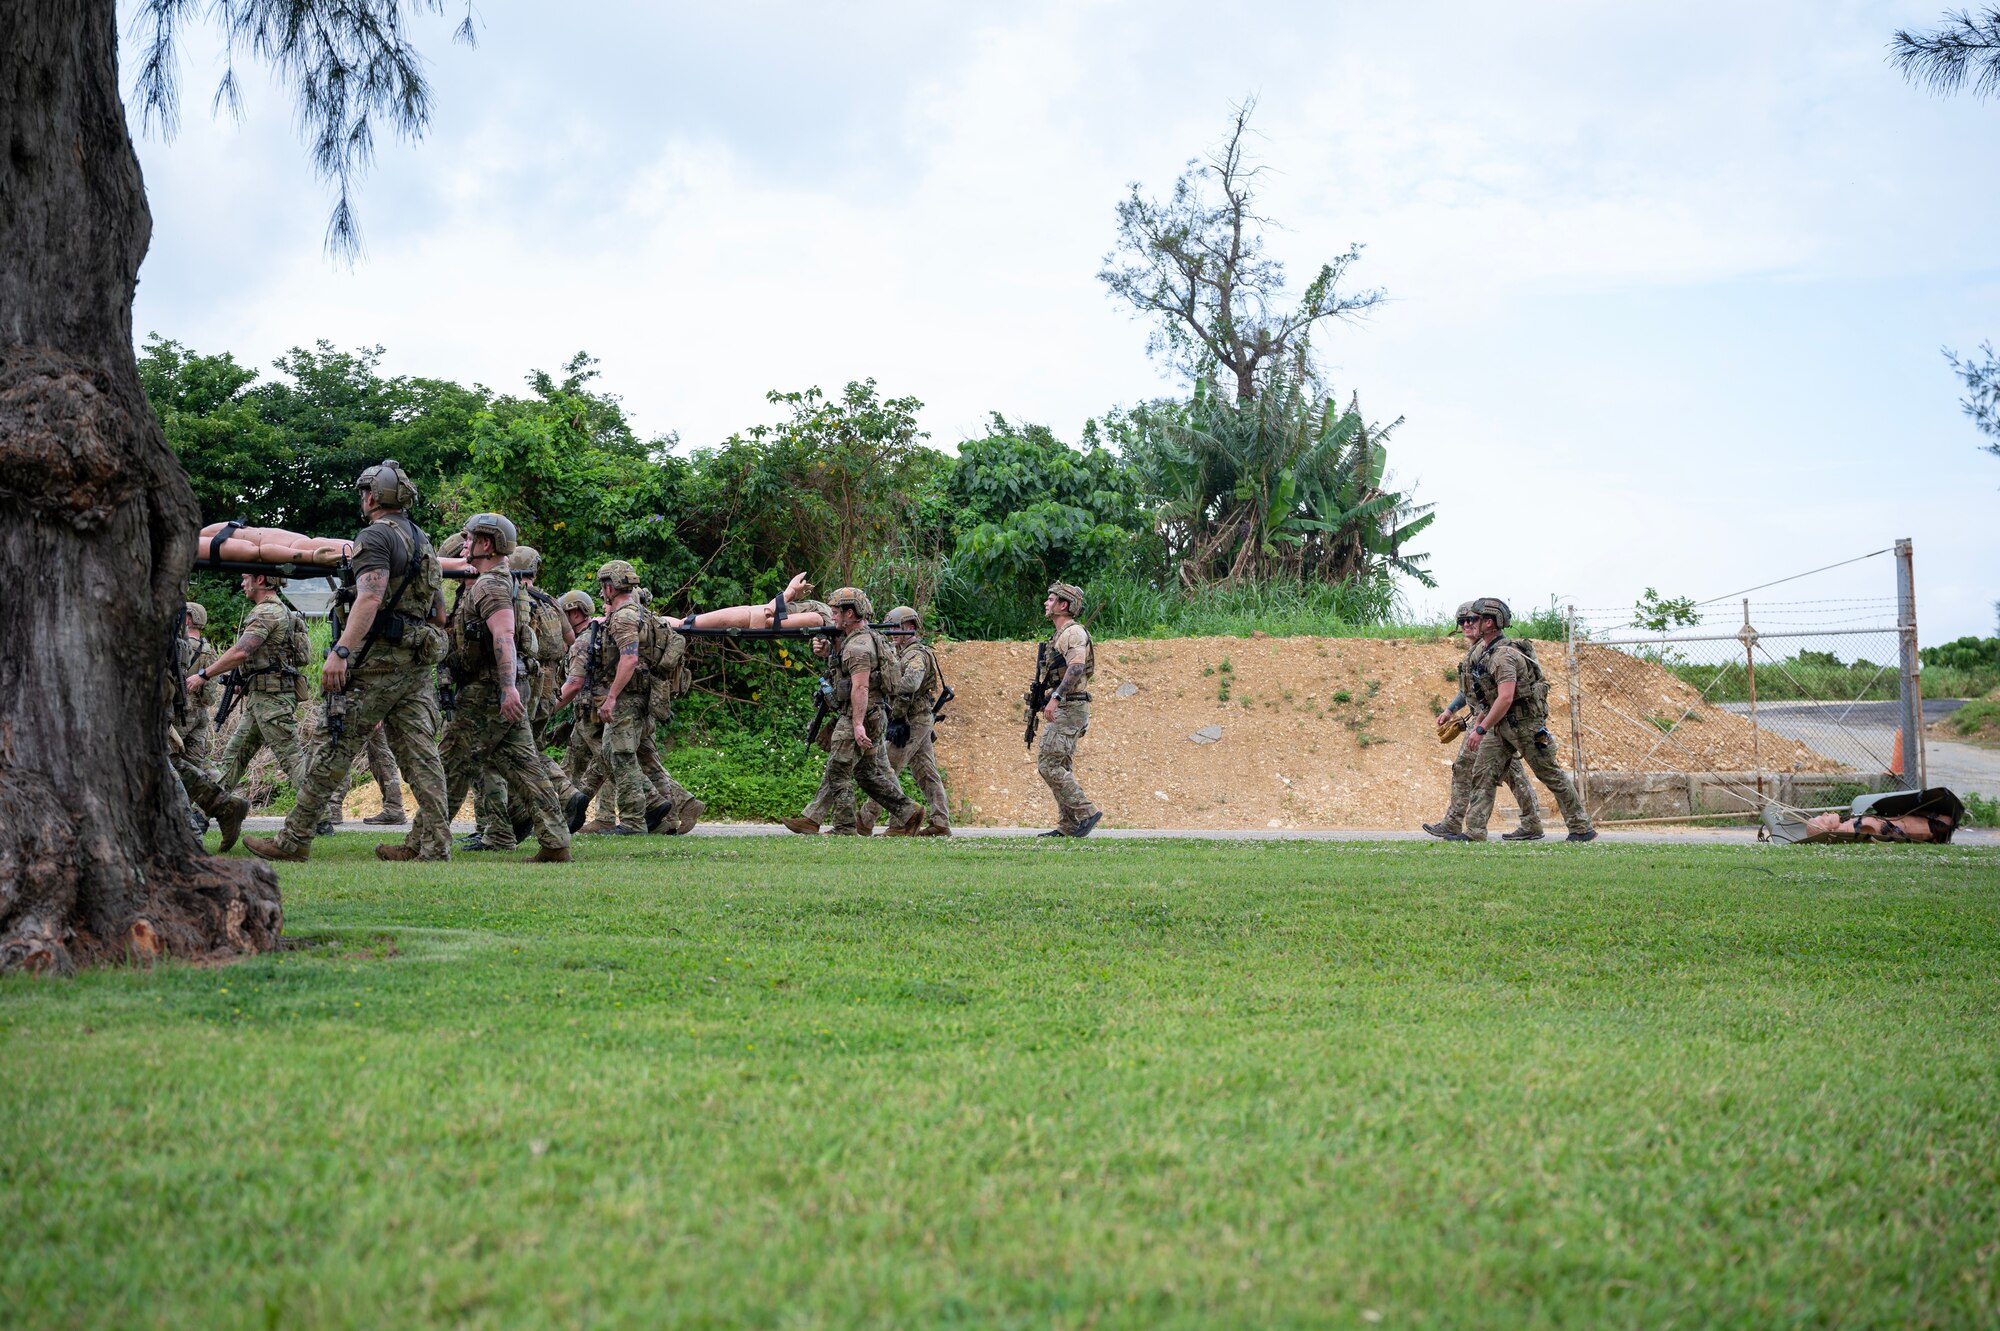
column 1615, row 795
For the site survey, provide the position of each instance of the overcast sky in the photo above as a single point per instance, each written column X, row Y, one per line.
column 1667, row 283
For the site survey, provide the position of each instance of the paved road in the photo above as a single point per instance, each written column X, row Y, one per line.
column 1863, row 735
column 1653, row 836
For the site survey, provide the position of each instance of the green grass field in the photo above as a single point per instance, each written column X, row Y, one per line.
column 782, row 1083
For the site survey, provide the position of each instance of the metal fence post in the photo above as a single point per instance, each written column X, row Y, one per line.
column 1749, row 636
column 1575, row 703
column 1909, row 664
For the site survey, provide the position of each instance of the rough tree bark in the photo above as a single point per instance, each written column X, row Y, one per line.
column 96, row 525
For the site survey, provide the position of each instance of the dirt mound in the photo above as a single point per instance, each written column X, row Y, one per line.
column 1315, row 732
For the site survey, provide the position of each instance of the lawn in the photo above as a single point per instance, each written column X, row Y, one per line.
column 722, row 1082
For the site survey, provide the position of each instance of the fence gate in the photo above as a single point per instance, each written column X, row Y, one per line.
column 1748, row 700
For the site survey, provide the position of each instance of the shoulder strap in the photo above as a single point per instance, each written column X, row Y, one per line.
column 411, row 560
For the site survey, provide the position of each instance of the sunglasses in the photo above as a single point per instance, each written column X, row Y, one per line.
column 1463, row 620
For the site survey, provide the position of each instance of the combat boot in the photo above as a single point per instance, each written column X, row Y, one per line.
column 275, row 848
column 657, row 814
column 802, row 825
column 935, row 829
column 395, row 852
column 908, row 824
column 576, row 809
column 690, row 813
column 1443, row 831
column 1084, row 825
column 595, row 827
column 548, row 855
column 1590, row 835
column 230, row 821
column 619, row 829
column 1522, row 834
column 387, row 818
column 864, row 822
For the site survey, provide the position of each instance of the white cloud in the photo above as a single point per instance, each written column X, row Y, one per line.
column 1670, row 276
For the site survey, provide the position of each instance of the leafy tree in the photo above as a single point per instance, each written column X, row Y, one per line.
column 1196, row 264
column 1032, row 509
column 95, row 857
column 1663, row 614
column 562, row 463
column 212, row 423
column 1289, row 484
column 1982, row 392
column 1944, row 58
column 839, row 480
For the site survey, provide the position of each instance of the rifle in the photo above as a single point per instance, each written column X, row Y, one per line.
column 945, row 695
column 1038, row 694
column 447, row 692
column 823, row 710
column 234, row 686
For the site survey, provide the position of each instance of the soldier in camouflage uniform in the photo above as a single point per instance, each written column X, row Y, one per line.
column 489, row 728
column 1506, row 684
column 382, row 671
column 1523, row 790
column 618, row 667
column 194, row 776
column 917, row 686
column 670, row 808
column 199, row 739
column 504, row 816
column 267, row 654
column 856, row 752
column 1067, row 663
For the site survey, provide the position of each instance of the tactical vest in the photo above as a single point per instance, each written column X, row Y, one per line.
column 1531, row 693
column 604, row 647
column 1054, row 667
column 427, row 585
column 472, row 658
column 881, row 686
column 917, row 702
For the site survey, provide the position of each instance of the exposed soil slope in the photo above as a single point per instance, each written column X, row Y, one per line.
column 1316, row 732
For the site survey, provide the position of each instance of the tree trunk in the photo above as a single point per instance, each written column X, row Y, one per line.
column 96, row 527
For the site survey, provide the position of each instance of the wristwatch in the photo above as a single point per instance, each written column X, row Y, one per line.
column 202, row 675
column 340, row 651
column 1479, row 730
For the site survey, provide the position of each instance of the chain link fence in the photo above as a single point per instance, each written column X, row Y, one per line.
column 1723, row 708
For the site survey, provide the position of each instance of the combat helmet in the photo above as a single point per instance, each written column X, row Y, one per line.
column 903, row 615
column 452, row 546
column 1464, row 612
column 389, row 483
column 1493, row 608
column 621, row 575
column 854, row 597
column 580, row 601
column 197, row 614
column 525, row 559
column 1069, row 592
column 498, row 526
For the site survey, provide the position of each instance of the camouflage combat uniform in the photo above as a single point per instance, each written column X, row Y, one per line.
column 478, row 736
column 268, row 711
column 196, row 780
column 394, row 685
column 1515, row 779
column 199, row 738
column 917, row 684
column 1522, row 733
column 1055, row 757
column 846, row 765
column 499, row 807
column 631, row 723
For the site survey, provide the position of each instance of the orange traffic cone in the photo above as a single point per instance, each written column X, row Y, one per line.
column 1896, row 755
